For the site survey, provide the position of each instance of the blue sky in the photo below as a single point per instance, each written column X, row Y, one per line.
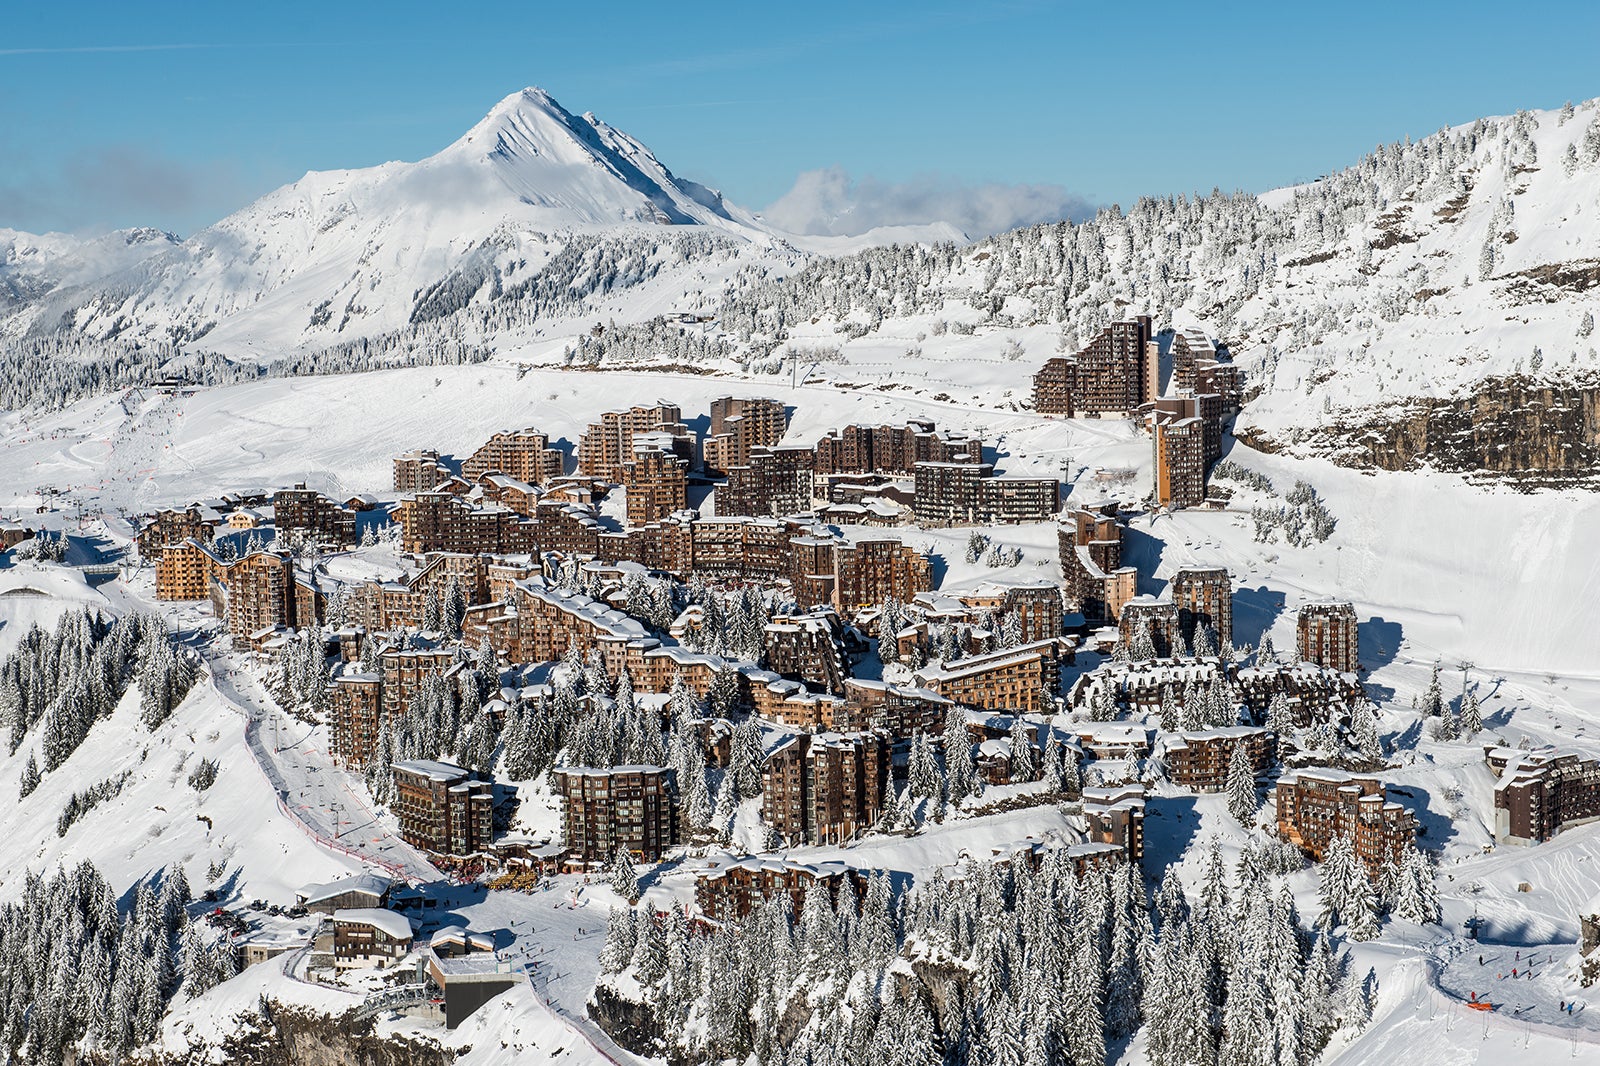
column 172, row 114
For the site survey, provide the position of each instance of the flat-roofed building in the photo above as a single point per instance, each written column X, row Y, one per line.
column 655, row 481
column 1203, row 595
column 443, row 808
column 418, row 470
column 602, row 810
column 1326, row 634
column 1180, row 463
column 1115, row 815
column 1316, row 804
column 738, row 426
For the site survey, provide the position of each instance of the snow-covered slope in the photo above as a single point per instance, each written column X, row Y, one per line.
column 353, row 252
column 32, row 265
column 1424, row 273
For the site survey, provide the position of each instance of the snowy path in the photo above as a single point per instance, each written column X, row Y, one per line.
column 311, row 789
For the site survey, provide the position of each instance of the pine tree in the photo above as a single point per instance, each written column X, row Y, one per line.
column 624, row 879
column 432, row 612
column 1071, row 779
column 1144, row 644
column 1024, row 764
column 1416, row 897
column 1433, row 697
column 746, row 758
column 696, row 792
column 1051, row 774
column 922, row 771
column 1171, row 718
column 1242, row 801
column 1472, row 716
column 1102, row 707
column 723, row 695
column 961, row 778
column 30, row 776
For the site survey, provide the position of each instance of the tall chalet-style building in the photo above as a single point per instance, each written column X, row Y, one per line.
column 301, row 512
column 739, row 425
column 1203, row 595
column 1114, row 374
column 602, row 810
column 442, row 808
column 654, row 479
column 524, row 454
column 1089, row 539
column 608, row 443
column 1325, row 634
column 1540, row 793
column 1200, row 760
column 418, row 470
column 824, row 788
column 1318, row 803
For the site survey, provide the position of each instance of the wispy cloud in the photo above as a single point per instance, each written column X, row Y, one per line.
column 829, row 202
column 94, row 48
column 116, row 185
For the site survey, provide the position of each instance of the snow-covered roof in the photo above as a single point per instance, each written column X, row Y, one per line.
column 374, row 885
column 430, row 768
column 392, row 924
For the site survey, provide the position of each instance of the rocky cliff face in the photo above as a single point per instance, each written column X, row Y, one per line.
column 1533, row 434
column 294, row 1037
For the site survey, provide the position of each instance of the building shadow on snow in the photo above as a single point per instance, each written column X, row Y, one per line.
column 1378, row 641
column 1170, row 826
column 1433, row 825
column 1142, row 550
column 1255, row 612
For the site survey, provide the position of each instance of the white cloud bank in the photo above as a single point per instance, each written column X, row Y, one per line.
column 829, row 202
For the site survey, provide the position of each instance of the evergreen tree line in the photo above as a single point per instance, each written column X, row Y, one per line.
column 996, row 629
column 1008, row 965
column 1164, row 252
column 732, row 622
column 299, row 679
column 1351, row 897
column 59, row 683
column 76, row 974
column 81, row 803
column 446, row 717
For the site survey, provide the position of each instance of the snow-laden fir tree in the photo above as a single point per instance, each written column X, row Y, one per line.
column 1051, row 763
column 1102, row 706
column 1346, row 893
column 1433, row 697
column 1471, row 717
column 961, row 777
column 1024, row 762
column 30, row 776
column 746, row 758
column 1171, row 715
column 922, row 770
column 1242, row 802
column 623, row 877
column 1416, row 891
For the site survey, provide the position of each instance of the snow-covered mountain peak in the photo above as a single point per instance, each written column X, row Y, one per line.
column 590, row 172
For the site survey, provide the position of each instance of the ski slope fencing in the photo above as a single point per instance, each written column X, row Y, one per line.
column 281, row 791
